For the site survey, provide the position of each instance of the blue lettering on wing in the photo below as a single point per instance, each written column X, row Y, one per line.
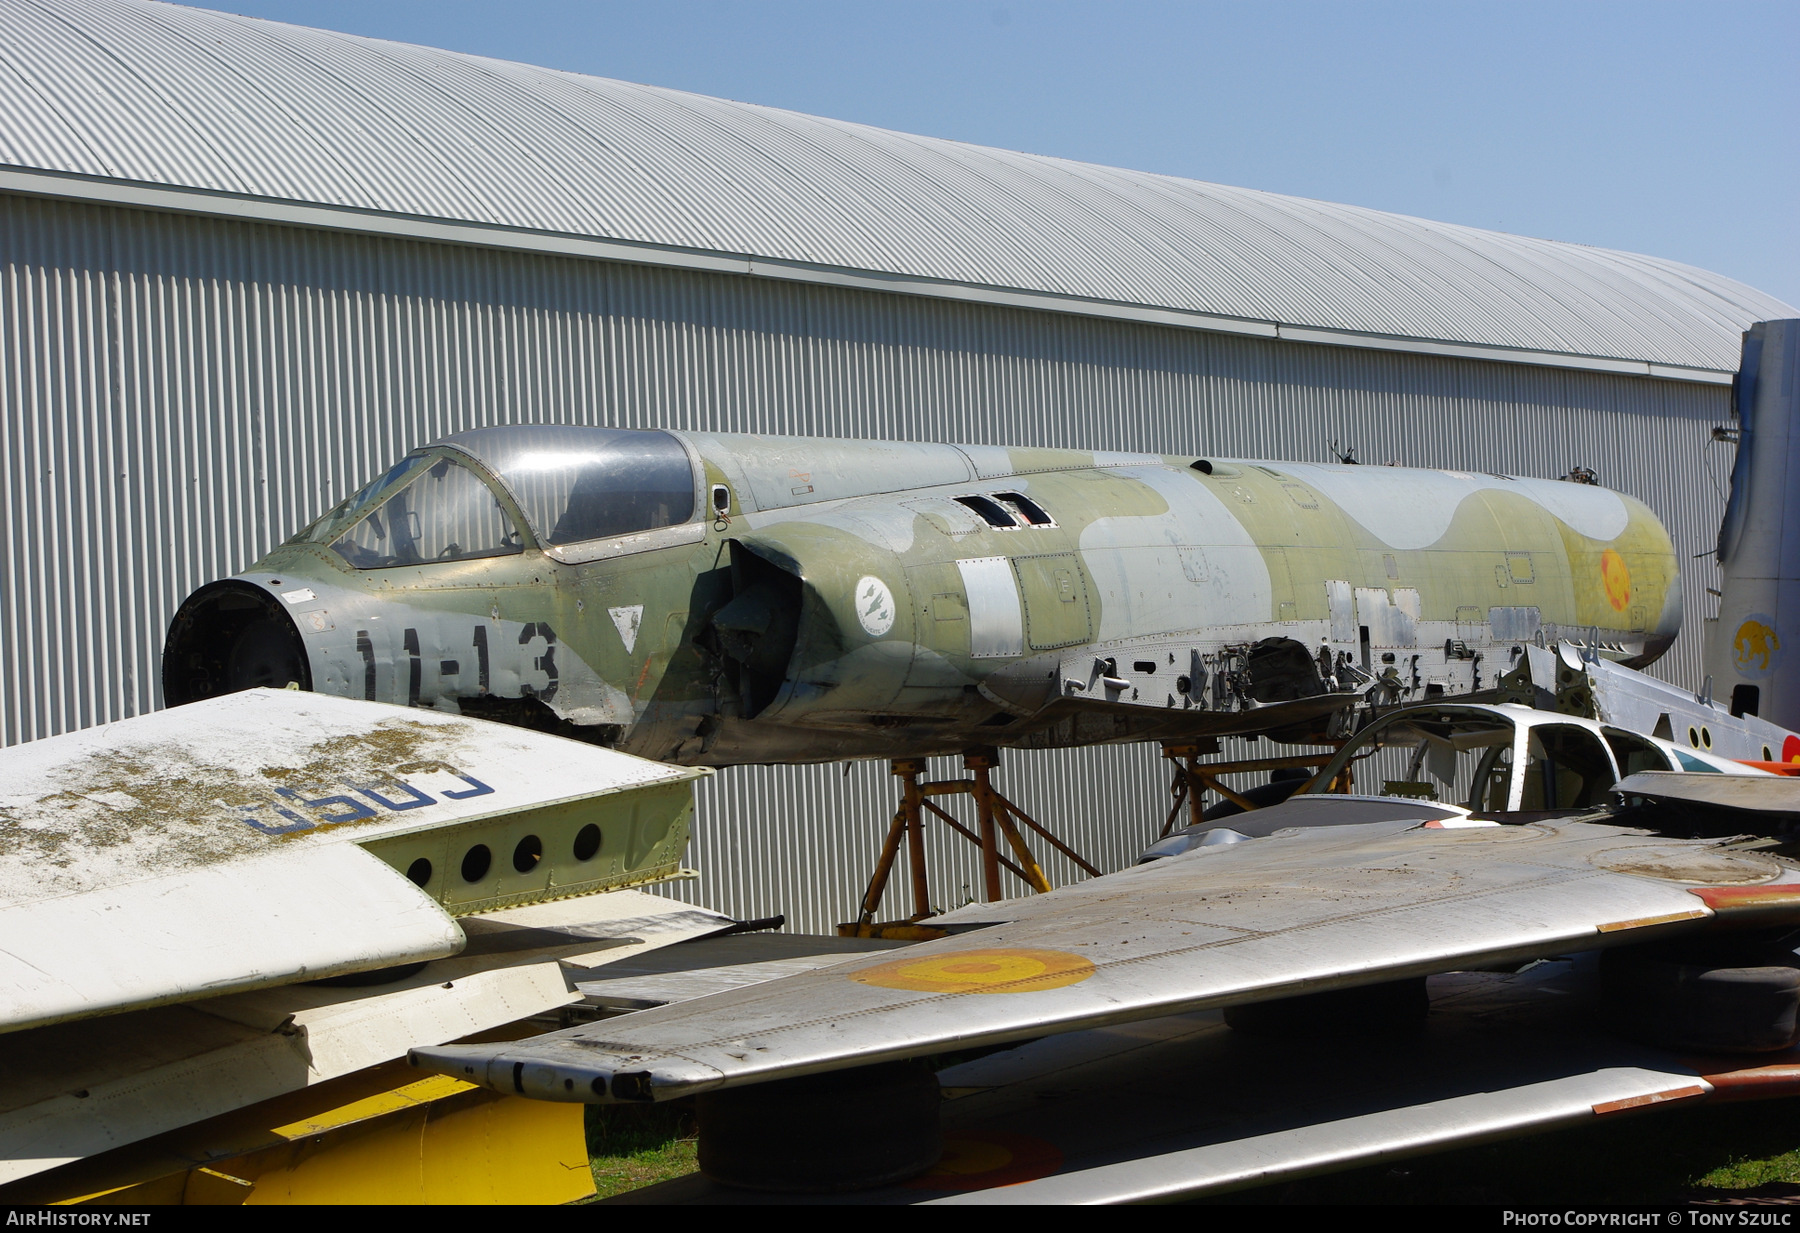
column 353, row 809
column 247, row 813
column 390, row 792
column 476, row 787
column 414, row 798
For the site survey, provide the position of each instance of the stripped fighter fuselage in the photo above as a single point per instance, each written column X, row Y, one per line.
column 716, row 599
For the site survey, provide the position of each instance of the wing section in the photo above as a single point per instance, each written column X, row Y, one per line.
column 1752, row 791
column 1297, row 912
column 263, row 920
column 274, row 836
column 148, row 1071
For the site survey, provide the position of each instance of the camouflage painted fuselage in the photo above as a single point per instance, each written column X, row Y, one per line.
column 837, row 599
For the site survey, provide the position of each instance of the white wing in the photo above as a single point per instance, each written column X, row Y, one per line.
column 1297, row 912
column 263, row 838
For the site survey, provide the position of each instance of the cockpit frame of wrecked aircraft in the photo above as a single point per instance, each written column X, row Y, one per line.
column 710, row 599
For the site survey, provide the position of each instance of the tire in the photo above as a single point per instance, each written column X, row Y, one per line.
column 823, row 1134
column 1367, row 1010
column 1688, row 998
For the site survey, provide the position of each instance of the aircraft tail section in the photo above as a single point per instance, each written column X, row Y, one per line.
column 1754, row 656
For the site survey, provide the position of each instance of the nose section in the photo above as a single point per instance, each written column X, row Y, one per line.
column 227, row 636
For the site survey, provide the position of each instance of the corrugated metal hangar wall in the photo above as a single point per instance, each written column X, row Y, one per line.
column 177, row 393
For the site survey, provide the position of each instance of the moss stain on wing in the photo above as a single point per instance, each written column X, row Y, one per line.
column 182, row 811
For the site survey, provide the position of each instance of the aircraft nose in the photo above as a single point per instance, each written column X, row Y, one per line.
column 228, row 636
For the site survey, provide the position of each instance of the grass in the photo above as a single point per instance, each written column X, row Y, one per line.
column 1748, row 1173
column 630, row 1146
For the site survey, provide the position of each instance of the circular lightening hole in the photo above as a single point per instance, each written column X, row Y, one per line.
column 529, row 852
column 476, row 862
column 1706, row 737
column 587, row 842
column 1768, row 754
column 1694, row 738
column 419, row 871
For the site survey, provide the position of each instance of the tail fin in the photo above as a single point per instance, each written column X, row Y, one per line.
column 1754, row 654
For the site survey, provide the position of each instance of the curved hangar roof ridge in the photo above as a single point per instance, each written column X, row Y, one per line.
column 178, row 108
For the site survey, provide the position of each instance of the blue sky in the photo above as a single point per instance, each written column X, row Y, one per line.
column 1663, row 128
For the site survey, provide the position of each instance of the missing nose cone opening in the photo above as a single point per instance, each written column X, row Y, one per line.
column 230, row 636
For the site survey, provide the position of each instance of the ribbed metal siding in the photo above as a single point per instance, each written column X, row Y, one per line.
column 177, row 394
column 175, row 96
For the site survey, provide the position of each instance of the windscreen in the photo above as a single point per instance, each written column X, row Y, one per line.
column 578, row 484
column 426, row 509
column 332, row 523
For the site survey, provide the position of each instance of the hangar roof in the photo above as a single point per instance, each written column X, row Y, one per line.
column 179, row 108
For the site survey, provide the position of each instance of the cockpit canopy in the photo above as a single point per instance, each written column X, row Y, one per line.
column 427, row 508
column 573, row 484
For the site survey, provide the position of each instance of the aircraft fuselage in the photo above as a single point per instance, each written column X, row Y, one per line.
column 714, row 599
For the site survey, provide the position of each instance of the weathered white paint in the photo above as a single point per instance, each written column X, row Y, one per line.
column 1303, row 910
column 1406, row 507
column 72, row 1090
column 260, row 920
column 213, row 847
column 1210, row 569
column 202, row 785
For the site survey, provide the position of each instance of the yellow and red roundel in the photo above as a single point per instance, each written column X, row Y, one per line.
column 1009, row 970
column 1616, row 579
column 993, row 1158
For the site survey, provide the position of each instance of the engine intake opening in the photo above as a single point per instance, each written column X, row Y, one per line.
column 229, row 636
column 758, row 628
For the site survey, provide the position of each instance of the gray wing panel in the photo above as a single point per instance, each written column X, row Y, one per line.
column 1758, row 793
column 1294, row 913
column 1479, row 1117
